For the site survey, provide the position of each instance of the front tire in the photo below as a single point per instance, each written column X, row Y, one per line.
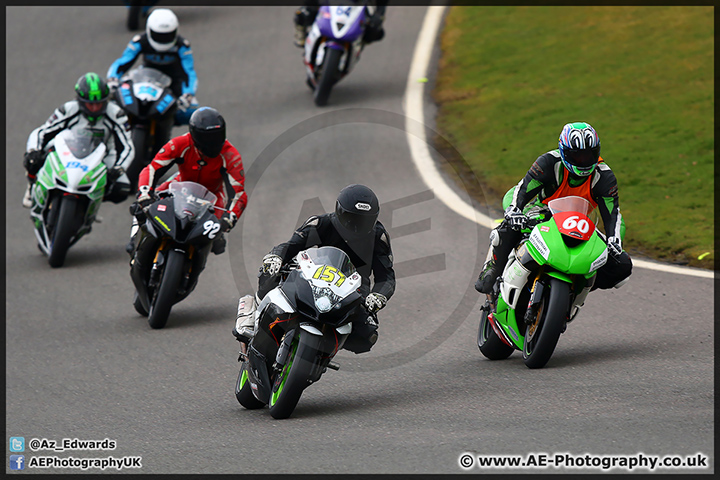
column 552, row 315
column 295, row 375
column 64, row 230
column 328, row 77
column 488, row 341
column 167, row 290
column 140, row 141
column 243, row 391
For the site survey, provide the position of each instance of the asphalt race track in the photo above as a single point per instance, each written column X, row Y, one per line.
column 632, row 375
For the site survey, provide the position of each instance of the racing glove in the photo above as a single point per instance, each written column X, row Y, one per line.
column 185, row 100
column 114, row 173
column 614, row 246
column 112, row 83
column 228, row 221
column 271, row 264
column 145, row 197
column 33, row 161
column 375, row 302
column 515, row 218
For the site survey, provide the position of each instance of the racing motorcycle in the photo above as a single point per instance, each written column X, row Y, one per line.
column 145, row 95
column 68, row 192
column 332, row 47
column 178, row 232
column 545, row 282
column 300, row 325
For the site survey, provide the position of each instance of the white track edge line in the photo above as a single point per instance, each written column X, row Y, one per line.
column 415, row 134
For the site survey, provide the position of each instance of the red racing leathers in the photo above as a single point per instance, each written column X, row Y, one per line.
column 223, row 175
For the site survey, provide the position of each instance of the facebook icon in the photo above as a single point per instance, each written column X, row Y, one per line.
column 17, row 462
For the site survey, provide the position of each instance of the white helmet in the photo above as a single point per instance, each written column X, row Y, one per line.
column 162, row 27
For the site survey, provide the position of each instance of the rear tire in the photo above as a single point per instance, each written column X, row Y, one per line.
column 328, row 77
column 133, row 19
column 65, row 228
column 553, row 315
column 243, row 391
column 488, row 341
column 294, row 377
column 166, row 290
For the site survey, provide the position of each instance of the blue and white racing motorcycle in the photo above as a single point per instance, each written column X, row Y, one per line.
column 333, row 46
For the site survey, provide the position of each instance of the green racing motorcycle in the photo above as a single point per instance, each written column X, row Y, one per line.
column 545, row 282
column 68, row 192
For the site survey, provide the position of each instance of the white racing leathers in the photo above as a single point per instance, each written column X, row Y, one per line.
column 113, row 126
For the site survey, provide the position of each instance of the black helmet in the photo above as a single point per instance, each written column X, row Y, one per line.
column 356, row 211
column 92, row 95
column 207, row 129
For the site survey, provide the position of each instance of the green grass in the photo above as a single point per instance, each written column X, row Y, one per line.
column 511, row 77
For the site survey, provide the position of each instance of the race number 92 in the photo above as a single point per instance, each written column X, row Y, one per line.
column 211, row 229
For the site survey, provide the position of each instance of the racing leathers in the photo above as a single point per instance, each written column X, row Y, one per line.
column 371, row 256
column 115, row 130
column 548, row 179
column 178, row 63
column 305, row 16
column 223, row 175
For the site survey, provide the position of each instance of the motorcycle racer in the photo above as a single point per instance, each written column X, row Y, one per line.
column 90, row 111
column 354, row 229
column 305, row 16
column 205, row 156
column 163, row 49
column 575, row 168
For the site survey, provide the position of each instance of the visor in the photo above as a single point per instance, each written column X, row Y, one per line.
column 95, row 107
column 583, row 158
column 163, row 38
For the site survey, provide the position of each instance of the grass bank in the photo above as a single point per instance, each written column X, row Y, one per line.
column 510, row 77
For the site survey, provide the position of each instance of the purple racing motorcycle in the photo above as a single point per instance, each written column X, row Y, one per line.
column 332, row 47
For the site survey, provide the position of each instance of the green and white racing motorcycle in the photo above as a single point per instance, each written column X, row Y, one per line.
column 545, row 282
column 67, row 194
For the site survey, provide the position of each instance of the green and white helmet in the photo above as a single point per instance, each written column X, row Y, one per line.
column 92, row 94
column 579, row 148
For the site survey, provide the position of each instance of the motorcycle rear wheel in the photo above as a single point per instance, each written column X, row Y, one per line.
column 243, row 392
column 488, row 341
column 552, row 317
column 64, row 230
column 166, row 290
column 328, row 77
column 295, row 375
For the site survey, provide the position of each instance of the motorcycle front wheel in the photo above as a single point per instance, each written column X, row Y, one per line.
column 328, row 77
column 166, row 292
column 540, row 342
column 65, row 228
column 295, row 375
column 140, row 142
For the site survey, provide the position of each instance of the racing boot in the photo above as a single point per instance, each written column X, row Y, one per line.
column 245, row 322
column 486, row 279
column 27, row 197
column 300, row 35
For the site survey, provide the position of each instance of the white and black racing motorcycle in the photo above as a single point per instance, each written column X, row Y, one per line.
column 299, row 327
